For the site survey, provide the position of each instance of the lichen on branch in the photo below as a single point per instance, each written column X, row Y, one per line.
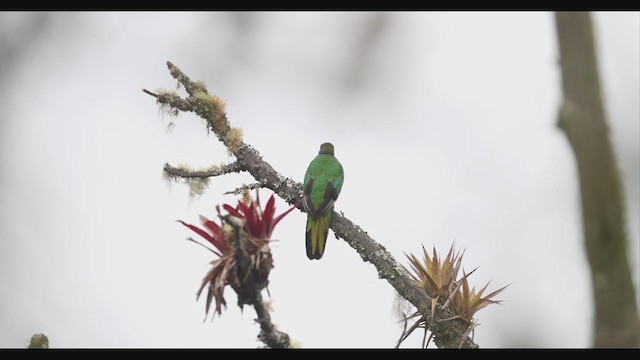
column 197, row 180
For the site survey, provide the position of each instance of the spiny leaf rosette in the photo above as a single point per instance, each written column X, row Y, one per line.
column 241, row 242
column 439, row 279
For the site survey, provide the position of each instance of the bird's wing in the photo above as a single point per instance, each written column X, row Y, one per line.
column 330, row 197
column 307, row 204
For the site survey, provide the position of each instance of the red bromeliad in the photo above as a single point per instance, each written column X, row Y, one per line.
column 260, row 223
column 242, row 243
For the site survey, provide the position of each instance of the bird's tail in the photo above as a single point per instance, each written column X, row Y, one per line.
column 317, row 230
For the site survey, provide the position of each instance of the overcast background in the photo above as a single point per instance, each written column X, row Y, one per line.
column 444, row 123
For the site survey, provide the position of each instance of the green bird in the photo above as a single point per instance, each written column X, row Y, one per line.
column 322, row 184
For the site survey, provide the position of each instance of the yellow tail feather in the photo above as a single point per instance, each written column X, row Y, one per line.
column 316, row 237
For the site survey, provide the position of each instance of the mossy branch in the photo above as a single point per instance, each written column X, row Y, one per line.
column 215, row 170
column 197, row 180
column 447, row 333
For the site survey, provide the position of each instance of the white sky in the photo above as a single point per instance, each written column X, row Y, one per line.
column 446, row 134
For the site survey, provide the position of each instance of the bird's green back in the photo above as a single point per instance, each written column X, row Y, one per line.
column 324, row 169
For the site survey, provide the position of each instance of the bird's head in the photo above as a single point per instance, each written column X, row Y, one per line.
column 326, row 148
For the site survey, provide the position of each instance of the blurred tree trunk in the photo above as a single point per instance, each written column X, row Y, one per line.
column 582, row 118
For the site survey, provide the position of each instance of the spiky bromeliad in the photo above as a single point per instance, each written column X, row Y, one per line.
column 322, row 184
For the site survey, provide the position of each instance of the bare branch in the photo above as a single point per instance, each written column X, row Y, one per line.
column 211, row 109
column 244, row 188
column 150, row 93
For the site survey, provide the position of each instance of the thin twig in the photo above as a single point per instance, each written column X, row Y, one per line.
column 404, row 329
column 243, row 188
column 424, row 337
column 150, row 93
column 429, row 340
column 406, row 334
